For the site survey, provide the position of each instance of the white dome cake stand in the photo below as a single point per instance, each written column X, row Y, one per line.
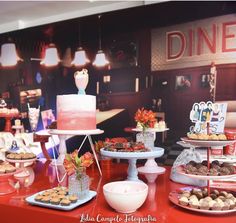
column 132, row 157
column 151, row 170
column 66, row 134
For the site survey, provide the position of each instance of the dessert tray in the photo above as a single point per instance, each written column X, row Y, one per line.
column 31, row 200
column 174, row 198
column 181, row 170
column 207, row 143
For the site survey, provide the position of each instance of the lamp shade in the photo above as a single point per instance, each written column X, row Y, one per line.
column 51, row 56
column 100, row 59
column 80, row 58
column 9, row 55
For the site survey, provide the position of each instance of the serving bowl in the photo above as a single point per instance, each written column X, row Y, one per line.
column 125, row 196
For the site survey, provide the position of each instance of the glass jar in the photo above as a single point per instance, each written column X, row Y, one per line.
column 148, row 138
column 79, row 183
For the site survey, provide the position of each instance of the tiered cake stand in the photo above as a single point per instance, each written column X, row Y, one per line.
column 132, row 157
column 65, row 134
column 173, row 196
column 5, row 187
column 24, row 171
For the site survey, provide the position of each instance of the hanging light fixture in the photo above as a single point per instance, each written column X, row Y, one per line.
column 80, row 58
column 100, row 59
column 51, row 57
column 9, row 55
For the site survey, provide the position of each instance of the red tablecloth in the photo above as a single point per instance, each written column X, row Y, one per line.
column 157, row 207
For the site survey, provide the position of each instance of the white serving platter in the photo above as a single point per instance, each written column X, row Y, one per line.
column 207, row 143
column 31, row 201
column 156, row 152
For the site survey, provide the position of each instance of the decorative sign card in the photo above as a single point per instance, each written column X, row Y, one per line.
column 208, row 112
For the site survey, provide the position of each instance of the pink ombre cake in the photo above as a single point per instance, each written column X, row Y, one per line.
column 76, row 112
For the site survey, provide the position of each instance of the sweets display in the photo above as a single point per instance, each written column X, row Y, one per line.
column 76, row 112
column 9, row 111
column 20, row 156
column 210, row 137
column 56, row 196
column 125, row 147
column 216, row 168
column 199, row 199
column 6, row 168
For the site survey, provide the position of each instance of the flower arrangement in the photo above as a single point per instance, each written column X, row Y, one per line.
column 145, row 119
column 75, row 164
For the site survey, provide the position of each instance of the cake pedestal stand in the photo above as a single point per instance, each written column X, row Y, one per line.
column 65, row 134
column 24, row 171
column 5, row 187
column 151, row 169
column 132, row 157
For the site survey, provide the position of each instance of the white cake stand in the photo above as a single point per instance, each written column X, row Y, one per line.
column 151, row 169
column 66, row 134
column 132, row 157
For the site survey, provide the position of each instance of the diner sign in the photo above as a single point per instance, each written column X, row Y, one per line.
column 196, row 43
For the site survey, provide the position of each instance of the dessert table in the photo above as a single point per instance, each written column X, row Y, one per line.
column 157, row 207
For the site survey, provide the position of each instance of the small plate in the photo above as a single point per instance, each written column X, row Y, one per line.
column 31, row 201
column 174, row 195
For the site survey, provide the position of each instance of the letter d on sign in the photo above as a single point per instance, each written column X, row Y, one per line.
column 175, row 51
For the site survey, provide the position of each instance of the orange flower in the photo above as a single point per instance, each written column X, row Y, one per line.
column 145, row 117
column 86, row 159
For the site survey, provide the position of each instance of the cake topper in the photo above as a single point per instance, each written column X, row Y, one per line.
column 208, row 116
column 3, row 104
column 81, row 80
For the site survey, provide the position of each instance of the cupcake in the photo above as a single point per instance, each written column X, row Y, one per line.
column 216, row 192
column 204, row 204
column 231, row 203
column 223, row 193
column 61, row 196
column 74, row 198
column 65, row 202
column 208, row 199
column 45, row 199
column 186, row 194
column 213, row 137
column 38, row 198
column 216, row 206
column 226, row 206
column 62, row 192
column 55, row 201
column 194, row 203
column 205, row 192
column 211, row 204
column 9, row 168
column 222, row 137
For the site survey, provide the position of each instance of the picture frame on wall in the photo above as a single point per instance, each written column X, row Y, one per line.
column 183, row 82
column 123, row 54
column 205, row 80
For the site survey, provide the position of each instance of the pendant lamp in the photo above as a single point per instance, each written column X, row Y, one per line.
column 80, row 58
column 100, row 58
column 9, row 55
column 51, row 56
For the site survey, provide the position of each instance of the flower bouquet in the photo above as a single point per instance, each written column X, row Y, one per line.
column 75, row 167
column 145, row 120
